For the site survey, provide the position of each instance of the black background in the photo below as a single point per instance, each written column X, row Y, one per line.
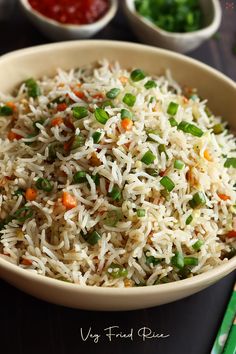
column 31, row 326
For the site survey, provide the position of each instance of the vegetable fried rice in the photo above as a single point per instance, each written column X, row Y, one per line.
column 113, row 178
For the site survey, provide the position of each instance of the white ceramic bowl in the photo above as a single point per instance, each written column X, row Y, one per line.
column 58, row 31
column 179, row 42
column 218, row 89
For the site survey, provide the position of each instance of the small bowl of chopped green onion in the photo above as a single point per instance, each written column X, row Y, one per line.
column 180, row 26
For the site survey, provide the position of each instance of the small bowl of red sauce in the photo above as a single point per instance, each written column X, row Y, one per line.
column 70, row 19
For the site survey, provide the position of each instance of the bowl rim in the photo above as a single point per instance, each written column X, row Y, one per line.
column 200, row 279
column 211, row 28
column 107, row 17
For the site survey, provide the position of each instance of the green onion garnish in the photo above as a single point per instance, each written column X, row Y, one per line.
column 96, row 179
column 152, row 260
column 129, row 99
column 172, row 108
column 190, row 128
column 189, row 220
column 113, row 93
column 190, row 261
column 112, row 218
column 107, row 103
column 6, row 111
column 115, row 194
column 173, row 122
column 230, row 162
column 162, row 148
column 167, row 183
column 178, row 164
column 79, row 112
column 141, row 213
column 96, row 137
column 178, row 260
column 198, row 200
column 80, row 177
column 79, row 141
column 44, row 184
column 150, row 84
column 92, row 238
column 152, row 172
column 117, row 271
column 197, row 245
column 33, row 88
column 218, row 129
column 137, row 75
column 148, row 158
column 101, row 115
column 124, row 113
column 19, row 191
column 23, row 214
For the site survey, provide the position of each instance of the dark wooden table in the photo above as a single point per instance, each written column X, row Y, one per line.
column 31, row 326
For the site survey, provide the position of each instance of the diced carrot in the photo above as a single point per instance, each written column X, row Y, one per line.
column 223, row 196
column 98, row 96
column 80, row 94
column 11, row 105
column 68, row 200
column 123, row 79
column 30, row 194
column 13, row 136
column 231, row 234
column 61, row 107
column 26, row 262
column 127, row 123
column 207, row 155
column 56, row 121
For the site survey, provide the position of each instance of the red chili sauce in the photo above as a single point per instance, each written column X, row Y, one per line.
column 77, row 12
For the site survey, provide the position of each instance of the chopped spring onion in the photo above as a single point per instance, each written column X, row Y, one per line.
column 150, row 84
column 129, row 99
column 113, row 93
column 112, row 218
column 23, row 214
column 107, row 104
column 148, row 158
column 79, row 112
column 198, row 200
column 126, row 114
column 101, row 115
column 190, row 261
column 162, row 148
column 178, row 164
column 33, row 88
column 190, row 128
column 96, row 137
column 115, row 194
column 6, row 111
column 230, row 162
column 117, row 271
column 80, row 177
column 141, row 213
column 92, row 238
column 197, row 245
column 172, row 108
column 189, row 220
column 152, row 172
column 167, row 183
column 178, row 260
column 19, row 191
column 79, row 141
column 137, row 75
column 173, row 122
column 96, row 179
column 152, row 260
column 44, row 184
column 218, row 129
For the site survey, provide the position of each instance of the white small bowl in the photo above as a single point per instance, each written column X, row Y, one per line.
column 149, row 33
column 58, row 31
